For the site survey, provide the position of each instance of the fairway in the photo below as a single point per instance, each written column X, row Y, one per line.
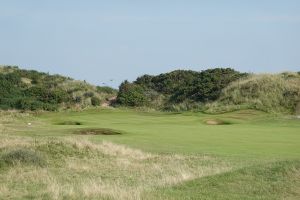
column 112, row 153
column 247, row 134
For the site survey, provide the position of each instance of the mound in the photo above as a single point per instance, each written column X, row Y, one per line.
column 279, row 180
column 32, row 90
column 270, row 93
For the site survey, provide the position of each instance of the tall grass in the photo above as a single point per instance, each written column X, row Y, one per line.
column 266, row 92
column 79, row 169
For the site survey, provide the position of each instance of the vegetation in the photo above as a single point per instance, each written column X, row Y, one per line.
column 21, row 156
column 277, row 180
column 156, row 155
column 266, row 92
column 177, row 87
column 241, row 151
column 32, row 90
column 213, row 91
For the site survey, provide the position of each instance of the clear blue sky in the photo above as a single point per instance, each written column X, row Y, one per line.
column 102, row 40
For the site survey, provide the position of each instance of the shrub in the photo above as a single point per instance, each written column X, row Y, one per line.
column 77, row 99
column 29, row 104
column 95, row 101
column 88, row 94
column 177, row 87
column 131, row 94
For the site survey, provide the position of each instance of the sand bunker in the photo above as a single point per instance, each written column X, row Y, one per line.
column 98, row 131
column 69, row 123
column 216, row 122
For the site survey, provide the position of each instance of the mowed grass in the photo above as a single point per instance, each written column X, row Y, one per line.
column 154, row 155
column 248, row 134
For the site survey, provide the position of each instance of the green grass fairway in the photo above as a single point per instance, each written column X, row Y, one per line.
column 127, row 154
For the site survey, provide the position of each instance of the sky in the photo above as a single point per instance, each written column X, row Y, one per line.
column 106, row 42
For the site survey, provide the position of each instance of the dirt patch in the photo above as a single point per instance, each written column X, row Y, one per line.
column 216, row 122
column 109, row 102
column 98, row 131
column 69, row 123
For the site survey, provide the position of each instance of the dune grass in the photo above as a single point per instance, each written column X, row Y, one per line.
column 254, row 155
column 267, row 92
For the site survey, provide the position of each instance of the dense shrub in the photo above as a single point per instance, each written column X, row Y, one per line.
column 177, row 87
column 95, row 101
column 88, row 94
column 131, row 95
column 78, row 99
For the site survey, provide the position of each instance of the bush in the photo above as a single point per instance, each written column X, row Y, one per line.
column 177, row 87
column 131, row 94
column 78, row 99
column 47, row 95
column 88, row 94
column 29, row 104
column 95, row 101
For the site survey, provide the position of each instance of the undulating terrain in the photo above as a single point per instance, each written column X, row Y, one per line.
column 215, row 134
column 127, row 154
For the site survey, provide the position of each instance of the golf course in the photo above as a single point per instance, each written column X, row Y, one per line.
column 150, row 100
column 121, row 153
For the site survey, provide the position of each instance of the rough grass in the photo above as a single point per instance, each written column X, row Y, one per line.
column 21, row 157
column 81, row 169
column 276, row 180
column 266, row 92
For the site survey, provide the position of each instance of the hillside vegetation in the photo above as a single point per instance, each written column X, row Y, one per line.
column 214, row 90
column 32, row 90
column 266, row 92
column 177, row 90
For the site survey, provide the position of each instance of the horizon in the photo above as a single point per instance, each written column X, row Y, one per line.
column 98, row 41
